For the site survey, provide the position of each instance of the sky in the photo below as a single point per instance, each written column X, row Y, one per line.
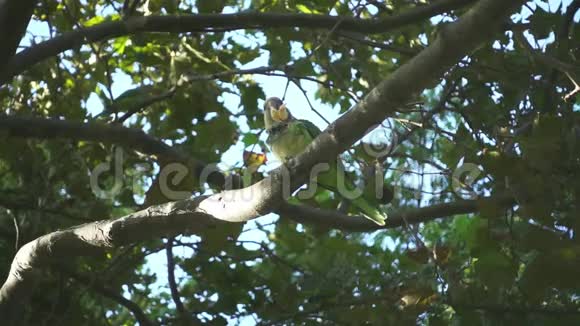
column 272, row 86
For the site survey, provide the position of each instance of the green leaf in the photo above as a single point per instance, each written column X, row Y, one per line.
column 94, row 21
column 250, row 139
column 250, row 94
column 304, row 9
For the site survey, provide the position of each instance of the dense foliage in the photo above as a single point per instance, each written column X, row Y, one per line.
column 501, row 109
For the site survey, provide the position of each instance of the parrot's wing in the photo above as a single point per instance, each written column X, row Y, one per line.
column 369, row 210
column 313, row 131
column 311, row 128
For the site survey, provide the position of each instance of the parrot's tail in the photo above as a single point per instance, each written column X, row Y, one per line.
column 369, row 211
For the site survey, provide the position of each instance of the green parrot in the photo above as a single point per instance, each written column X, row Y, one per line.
column 288, row 137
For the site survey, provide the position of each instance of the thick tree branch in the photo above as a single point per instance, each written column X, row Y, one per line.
column 167, row 219
column 221, row 22
column 30, row 127
column 423, row 70
column 134, row 139
column 14, row 18
column 182, row 217
column 247, row 203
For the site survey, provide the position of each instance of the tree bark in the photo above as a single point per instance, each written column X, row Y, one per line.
column 217, row 22
column 14, row 18
column 454, row 42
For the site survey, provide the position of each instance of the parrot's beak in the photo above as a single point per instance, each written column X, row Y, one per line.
column 280, row 114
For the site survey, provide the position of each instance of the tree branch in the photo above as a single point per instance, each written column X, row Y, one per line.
column 134, row 308
column 544, row 58
column 336, row 220
column 187, row 216
column 142, row 105
column 182, row 217
column 393, row 48
column 570, row 70
column 167, row 219
column 30, row 127
column 181, row 312
column 425, row 69
column 513, row 309
column 221, row 22
column 134, row 139
column 14, row 18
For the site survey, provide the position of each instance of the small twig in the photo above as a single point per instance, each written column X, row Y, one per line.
column 112, row 294
column 308, row 100
column 378, row 45
column 407, row 171
column 286, row 88
column 228, row 73
column 409, row 122
column 330, row 33
column 171, row 280
column 146, row 103
column 575, row 90
column 17, row 231
column 543, row 58
column 269, row 252
column 425, row 119
column 96, row 51
column 58, row 211
column 549, row 61
column 266, row 71
column 421, row 243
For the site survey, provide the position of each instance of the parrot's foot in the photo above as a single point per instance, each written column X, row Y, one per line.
column 289, row 161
